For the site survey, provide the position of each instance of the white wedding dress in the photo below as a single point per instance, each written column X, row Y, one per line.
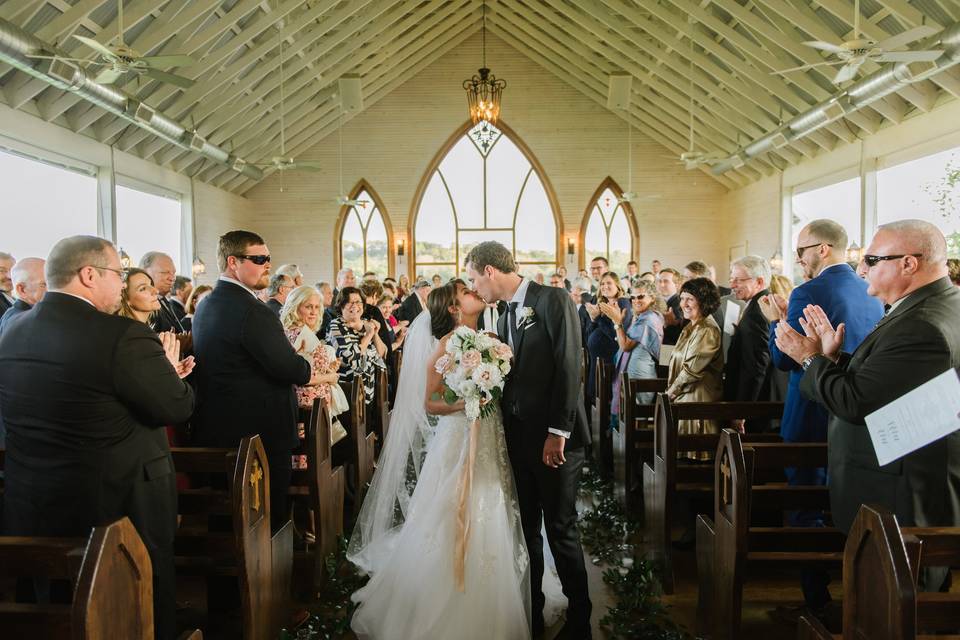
column 405, row 535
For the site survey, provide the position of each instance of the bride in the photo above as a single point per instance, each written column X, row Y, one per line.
column 406, row 534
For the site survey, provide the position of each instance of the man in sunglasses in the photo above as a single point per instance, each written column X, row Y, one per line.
column 835, row 287
column 918, row 338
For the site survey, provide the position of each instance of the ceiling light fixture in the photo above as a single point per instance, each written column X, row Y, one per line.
column 484, row 90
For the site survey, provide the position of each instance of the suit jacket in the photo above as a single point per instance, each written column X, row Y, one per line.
column 543, row 388
column 85, row 397
column 917, row 341
column 843, row 296
column 409, row 309
column 246, row 369
column 748, row 372
column 165, row 319
column 372, row 312
column 720, row 315
column 328, row 316
column 4, row 303
column 177, row 308
column 19, row 306
column 274, row 305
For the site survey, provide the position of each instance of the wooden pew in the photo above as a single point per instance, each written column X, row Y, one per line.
column 600, row 417
column 881, row 601
column 361, row 441
column 666, row 477
column 112, row 579
column 633, row 441
column 727, row 544
column 380, row 416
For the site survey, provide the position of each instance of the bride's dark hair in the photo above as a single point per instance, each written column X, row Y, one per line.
column 439, row 302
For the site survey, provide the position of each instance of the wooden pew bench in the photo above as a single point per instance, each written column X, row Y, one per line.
column 666, row 478
column 356, row 452
column 633, row 442
column 727, row 544
column 600, row 417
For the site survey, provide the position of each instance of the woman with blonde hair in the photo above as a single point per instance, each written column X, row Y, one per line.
column 640, row 340
column 300, row 316
column 780, row 285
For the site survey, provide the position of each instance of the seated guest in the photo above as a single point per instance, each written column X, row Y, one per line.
column 602, row 332
column 163, row 271
column 292, row 271
column 303, row 310
column 247, row 366
column 415, row 302
column 640, row 341
column 179, row 294
column 358, row 345
column 668, row 284
column 329, row 311
column 138, row 299
column 85, row 396
column 199, row 293
column 29, row 285
column 6, row 282
column 278, row 288
column 696, row 364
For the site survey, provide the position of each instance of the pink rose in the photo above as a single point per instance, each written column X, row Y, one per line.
column 444, row 364
column 503, row 351
column 471, row 358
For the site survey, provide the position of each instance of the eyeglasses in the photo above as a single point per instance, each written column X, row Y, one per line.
column 872, row 261
column 800, row 250
column 641, row 296
column 120, row 272
column 258, row 260
column 738, row 280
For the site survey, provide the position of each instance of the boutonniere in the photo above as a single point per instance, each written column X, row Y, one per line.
column 525, row 317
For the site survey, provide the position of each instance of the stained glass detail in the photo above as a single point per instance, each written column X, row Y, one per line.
column 484, row 135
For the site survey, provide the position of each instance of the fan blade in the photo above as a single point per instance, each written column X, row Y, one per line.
column 807, row 66
column 170, row 78
column 825, row 46
column 108, row 76
column 96, row 46
column 304, row 166
column 84, row 60
column 166, row 62
column 908, row 36
column 909, row 56
column 848, row 72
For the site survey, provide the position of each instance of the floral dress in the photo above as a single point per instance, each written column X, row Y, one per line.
column 355, row 364
column 319, row 364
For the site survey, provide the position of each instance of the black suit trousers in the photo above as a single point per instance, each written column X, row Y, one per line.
column 550, row 493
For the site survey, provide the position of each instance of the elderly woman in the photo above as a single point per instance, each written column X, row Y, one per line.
column 696, row 364
column 359, row 348
column 640, row 341
column 304, row 309
column 610, row 309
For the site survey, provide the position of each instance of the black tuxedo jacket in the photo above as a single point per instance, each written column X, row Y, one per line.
column 409, row 308
column 4, row 304
column 274, row 305
column 19, row 306
column 917, row 341
column 246, row 369
column 543, row 387
column 165, row 318
column 372, row 312
column 177, row 308
column 747, row 371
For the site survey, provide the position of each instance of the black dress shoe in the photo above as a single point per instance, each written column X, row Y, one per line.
column 574, row 632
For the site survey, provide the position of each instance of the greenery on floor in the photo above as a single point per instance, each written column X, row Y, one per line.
column 605, row 529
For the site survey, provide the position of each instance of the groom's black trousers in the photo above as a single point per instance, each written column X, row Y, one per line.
column 552, row 494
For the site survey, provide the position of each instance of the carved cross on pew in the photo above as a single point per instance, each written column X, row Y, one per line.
column 255, row 477
column 725, row 472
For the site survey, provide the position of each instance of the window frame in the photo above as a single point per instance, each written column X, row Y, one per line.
column 345, row 210
column 629, row 213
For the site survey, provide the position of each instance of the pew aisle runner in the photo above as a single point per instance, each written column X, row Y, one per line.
column 636, row 612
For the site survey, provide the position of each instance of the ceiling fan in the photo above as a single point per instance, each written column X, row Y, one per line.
column 121, row 59
column 691, row 158
column 852, row 54
column 283, row 162
column 630, row 195
column 342, row 199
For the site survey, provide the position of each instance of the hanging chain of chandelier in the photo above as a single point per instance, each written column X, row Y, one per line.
column 484, row 90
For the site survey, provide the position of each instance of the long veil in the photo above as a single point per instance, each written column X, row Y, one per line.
column 398, row 467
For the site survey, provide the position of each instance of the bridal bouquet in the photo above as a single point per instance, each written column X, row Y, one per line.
column 473, row 369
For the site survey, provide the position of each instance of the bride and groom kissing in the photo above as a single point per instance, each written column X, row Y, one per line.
column 525, row 462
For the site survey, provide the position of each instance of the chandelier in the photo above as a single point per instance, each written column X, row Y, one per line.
column 484, row 90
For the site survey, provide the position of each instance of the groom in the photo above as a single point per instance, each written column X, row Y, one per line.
column 545, row 426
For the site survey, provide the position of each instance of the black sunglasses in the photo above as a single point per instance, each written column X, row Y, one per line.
column 872, row 261
column 641, row 296
column 260, row 260
column 800, row 250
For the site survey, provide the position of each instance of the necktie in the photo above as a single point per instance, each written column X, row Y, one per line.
column 512, row 321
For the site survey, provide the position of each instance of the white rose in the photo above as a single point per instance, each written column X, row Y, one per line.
column 487, row 376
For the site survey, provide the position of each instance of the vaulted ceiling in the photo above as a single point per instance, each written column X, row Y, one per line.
column 722, row 50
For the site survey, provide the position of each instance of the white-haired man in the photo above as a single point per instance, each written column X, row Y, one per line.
column 162, row 269
column 6, row 282
column 292, row 271
column 29, row 285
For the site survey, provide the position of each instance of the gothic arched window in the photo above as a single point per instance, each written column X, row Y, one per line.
column 609, row 228
column 364, row 234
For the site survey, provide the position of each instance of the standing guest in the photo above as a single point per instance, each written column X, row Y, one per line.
column 293, row 272
column 639, row 341
column 303, row 309
column 556, row 280
column 29, row 285
column 668, row 284
column 199, row 293
column 842, row 294
column 138, row 299
column 278, row 288
column 696, row 364
column 917, row 339
column 655, row 267
column 700, row 269
column 538, row 278
column 248, row 368
column 629, row 281
column 371, row 290
column 648, row 276
column 403, row 287
column 583, row 273
column 780, row 285
column 437, row 281
column 953, row 271
column 598, row 267
column 6, row 282
column 369, row 275
column 97, row 452
column 580, row 294
column 562, row 270
column 359, row 347
column 182, row 288
column 329, row 312
column 601, row 332
column 415, row 302
column 163, row 271
column 345, row 278
column 397, row 331
column 749, row 374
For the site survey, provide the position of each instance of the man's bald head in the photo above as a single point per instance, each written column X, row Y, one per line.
column 909, row 254
column 29, row 283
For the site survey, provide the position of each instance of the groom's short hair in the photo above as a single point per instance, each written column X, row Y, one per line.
column 493, row 254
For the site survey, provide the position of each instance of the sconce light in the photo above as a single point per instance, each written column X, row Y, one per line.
column 776, row 261
column 853, row 253
column 198, row 266
column 401, row 246
column 571, row 246
column 125, row 261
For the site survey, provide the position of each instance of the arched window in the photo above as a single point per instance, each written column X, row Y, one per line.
column 484, row 185
column 609, row 228
column 365, row 237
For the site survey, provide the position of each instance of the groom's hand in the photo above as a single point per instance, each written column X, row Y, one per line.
column 553, row 450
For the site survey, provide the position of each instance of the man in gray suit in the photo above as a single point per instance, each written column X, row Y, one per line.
column 917, row 339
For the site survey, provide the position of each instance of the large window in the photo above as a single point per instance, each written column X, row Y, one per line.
column 147, row 222
column 839, row 202
column 927, row 188
column 485, row 188
column 43, row 204
column 608, row 231
column 364, row 241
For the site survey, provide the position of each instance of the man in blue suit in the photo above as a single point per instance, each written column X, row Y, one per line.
column 834, row 286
